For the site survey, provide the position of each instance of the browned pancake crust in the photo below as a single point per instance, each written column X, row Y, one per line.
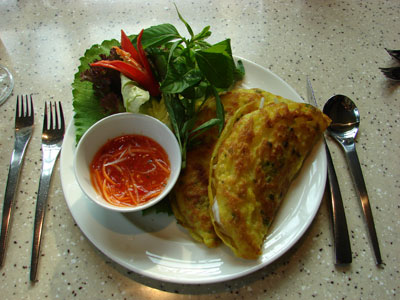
column 191, row 204
column 256, row 159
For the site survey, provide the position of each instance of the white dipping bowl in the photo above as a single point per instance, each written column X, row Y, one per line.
column 114, row 126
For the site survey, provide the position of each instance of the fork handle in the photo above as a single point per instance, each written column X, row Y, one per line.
column 44, row 183
column 12, row 181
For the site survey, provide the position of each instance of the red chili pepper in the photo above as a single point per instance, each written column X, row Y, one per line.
column 127, row 46
column 130, row 71
column 142, row 54
column 133, row 70
column 144, row 61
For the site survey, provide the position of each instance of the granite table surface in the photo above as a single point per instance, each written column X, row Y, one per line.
column 338, row 44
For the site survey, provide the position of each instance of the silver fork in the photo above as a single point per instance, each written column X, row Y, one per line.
column 52, row 137
column 24, row 118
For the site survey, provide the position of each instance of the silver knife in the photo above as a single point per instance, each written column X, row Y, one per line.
column 335, row 203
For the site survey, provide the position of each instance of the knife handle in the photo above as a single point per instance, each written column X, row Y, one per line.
column 340, row 231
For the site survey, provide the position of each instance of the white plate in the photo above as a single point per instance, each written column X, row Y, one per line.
column 155, row 246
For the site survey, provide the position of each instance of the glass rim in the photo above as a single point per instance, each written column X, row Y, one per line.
column 8, row 84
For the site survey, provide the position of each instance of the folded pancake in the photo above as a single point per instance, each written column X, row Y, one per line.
column 190, row 203
column 256, row 158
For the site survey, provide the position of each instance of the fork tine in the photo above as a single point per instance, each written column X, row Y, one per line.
column 28, row 109
column 32, row 112
column 25, row 107
column 51, row 116
column 55, row 115
column 61, row 116
column 45, row 121
column 51, row 125
column 22, row 111
column 17, row 109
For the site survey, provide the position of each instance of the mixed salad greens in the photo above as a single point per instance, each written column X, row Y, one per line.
column 165, row 75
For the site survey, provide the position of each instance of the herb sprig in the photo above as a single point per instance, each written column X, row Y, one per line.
column 190, row 71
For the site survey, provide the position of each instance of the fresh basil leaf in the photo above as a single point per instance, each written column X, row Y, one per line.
column 239, row 71
column 205, row 33
column 189, row 29
column 172, row 50
column 159, row 57
column 178, row 118
column 179, row 110
column 205, row 126
column 202, row 45
column 220, row 110
column 217, row 64
column 176, row 81
column 175, row 113
column 158, row 35
column 188, row 125
column 189, row 106
column 196, row 92
column 221, row 47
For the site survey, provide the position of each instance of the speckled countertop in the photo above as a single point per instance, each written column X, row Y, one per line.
column 338, row 44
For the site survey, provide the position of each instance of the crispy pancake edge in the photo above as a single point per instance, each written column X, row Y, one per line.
column 251, row 245
column 190, row 203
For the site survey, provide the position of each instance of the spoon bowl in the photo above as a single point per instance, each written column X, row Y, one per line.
column 345, row 117
column 344, row 127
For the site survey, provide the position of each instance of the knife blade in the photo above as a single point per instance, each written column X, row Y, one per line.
column 338, row 217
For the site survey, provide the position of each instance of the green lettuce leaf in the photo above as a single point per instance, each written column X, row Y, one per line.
column 134, row 96
column 87, row 109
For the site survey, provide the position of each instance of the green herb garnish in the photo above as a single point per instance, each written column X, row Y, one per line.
column 189, row 71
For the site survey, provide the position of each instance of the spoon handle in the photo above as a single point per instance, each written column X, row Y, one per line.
column 356, row 172
column 340, row 231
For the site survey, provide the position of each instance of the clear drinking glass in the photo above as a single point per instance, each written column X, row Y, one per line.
column 6, row 83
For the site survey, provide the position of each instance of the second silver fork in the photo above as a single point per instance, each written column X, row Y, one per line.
column 52, row 137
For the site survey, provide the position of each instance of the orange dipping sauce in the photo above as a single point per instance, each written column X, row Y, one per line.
column 130, row 170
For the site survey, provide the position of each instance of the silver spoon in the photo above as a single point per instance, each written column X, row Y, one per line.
column 344, row 127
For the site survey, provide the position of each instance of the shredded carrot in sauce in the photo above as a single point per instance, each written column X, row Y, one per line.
column 130, row 170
